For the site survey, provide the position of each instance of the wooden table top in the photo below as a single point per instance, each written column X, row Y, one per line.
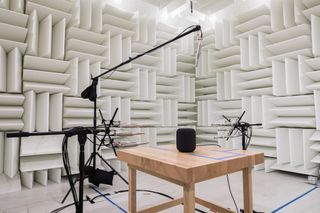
column 204, row 163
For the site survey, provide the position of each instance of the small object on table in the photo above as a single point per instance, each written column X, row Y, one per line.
column 186, row 139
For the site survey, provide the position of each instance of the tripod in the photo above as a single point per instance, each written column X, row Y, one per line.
column 244, row 128
column 94, row 154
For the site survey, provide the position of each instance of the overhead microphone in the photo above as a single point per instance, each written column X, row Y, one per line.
column 198, row 52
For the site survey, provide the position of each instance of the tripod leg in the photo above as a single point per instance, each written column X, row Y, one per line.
column 111, row 143
column 65, row 197
column 101, row 142
column 114, row 149
column 76, row 180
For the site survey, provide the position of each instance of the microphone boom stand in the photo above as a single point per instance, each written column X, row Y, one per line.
column 243, row 128
column 91, row 94
column 91, row 91
column 82, row 133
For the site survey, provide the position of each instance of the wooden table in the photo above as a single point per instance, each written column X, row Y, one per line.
column 186, row 169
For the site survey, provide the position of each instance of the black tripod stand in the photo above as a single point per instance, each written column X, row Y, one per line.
column 244, row 128
column 111, row 142
column 89, row 170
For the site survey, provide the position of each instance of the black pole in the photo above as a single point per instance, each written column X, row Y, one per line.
column 73, row 131
column 243, row 136
column 82, row 138
column 94, row 134
column 28, row 134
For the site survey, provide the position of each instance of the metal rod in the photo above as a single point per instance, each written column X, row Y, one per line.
column 82, row 138
column 89, row 130
column 94, row 134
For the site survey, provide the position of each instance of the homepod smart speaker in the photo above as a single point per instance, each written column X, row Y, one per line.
column 186, row 139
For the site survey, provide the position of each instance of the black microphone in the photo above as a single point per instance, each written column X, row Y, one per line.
column 199, row 48
column 91, row 91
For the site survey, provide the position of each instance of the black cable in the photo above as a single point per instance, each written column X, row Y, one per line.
column 138, row 190
column 229, row 186
column 66, row 165
column 234, row 201
column 247, row 128
column 62, row 208
column 68, row 170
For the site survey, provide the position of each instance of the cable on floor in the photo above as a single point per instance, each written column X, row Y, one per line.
column 109, row 200
column 234, row 201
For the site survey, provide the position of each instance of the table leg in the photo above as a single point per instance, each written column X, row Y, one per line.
column 247, row 189
column 189, row 198
column 132, row 190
